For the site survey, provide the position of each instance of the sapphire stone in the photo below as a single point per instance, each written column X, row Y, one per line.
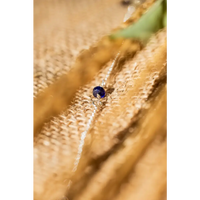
column 100, row 91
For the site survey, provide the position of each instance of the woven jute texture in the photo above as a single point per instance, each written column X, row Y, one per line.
column 124, row 155
column 62, row 28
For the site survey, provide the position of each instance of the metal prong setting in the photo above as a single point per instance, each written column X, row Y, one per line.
column 97, row 101
column 98, row 97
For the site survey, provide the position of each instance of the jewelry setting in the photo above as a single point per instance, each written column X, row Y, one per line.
column 99, row 93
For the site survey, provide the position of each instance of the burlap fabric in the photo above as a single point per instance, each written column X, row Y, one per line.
column 124, row 155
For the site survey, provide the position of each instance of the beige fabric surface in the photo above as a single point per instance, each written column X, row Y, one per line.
column 125, row 149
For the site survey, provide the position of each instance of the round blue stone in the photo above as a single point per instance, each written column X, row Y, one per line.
column 99, row 90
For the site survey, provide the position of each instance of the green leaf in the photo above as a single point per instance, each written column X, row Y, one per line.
column 148, row 24
column 166, row 20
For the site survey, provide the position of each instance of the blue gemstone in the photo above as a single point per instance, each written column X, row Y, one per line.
column 100, row 91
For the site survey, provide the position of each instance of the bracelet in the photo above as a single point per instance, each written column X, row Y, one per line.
column 98, row 93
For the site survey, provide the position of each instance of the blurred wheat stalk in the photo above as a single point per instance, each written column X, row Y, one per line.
column 117, row 169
